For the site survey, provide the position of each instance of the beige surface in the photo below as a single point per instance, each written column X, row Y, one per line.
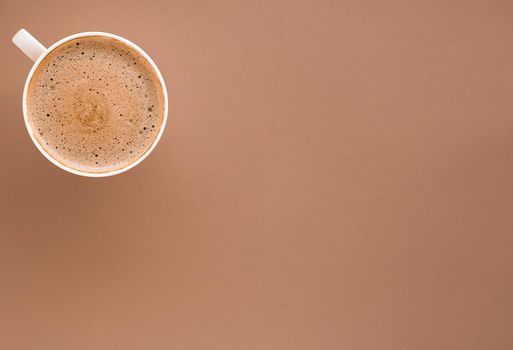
column 336, row 175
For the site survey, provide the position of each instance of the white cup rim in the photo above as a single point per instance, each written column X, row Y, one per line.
column 64, row 166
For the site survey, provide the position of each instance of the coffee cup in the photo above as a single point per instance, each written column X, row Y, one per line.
column 94, row 119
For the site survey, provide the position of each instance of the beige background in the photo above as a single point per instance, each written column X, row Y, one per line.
column 336, row 175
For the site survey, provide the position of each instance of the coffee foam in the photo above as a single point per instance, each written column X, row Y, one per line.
column 95, row 104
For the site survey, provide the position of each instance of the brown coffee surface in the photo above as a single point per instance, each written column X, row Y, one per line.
column 95, row 104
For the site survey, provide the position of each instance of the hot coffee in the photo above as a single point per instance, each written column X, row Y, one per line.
column 95, row 104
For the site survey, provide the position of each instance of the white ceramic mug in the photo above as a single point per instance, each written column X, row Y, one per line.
column 37, row 52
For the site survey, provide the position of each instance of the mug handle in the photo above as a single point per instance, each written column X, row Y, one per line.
column 28, row 44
